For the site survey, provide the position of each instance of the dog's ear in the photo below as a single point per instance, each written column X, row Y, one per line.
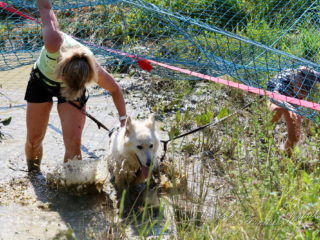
column 128, row 126
column 150, row 122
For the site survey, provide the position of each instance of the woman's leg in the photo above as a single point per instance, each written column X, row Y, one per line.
column 72, row 122
column 37, row 122
column 293, row 122
column 277, row 112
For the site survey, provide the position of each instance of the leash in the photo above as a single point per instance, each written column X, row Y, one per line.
column 213, row 123
column 165, row 142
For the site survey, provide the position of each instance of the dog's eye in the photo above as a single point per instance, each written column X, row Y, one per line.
column 139, row 147
column 151, row 146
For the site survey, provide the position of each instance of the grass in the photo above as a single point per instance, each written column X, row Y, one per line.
column 240, row 183
column 265, row 195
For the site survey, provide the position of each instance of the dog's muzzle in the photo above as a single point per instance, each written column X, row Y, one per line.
column 144, row 169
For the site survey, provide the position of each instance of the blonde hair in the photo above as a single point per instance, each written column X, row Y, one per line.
column 76, row 68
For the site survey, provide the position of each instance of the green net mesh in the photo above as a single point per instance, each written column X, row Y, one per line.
column 248, row 41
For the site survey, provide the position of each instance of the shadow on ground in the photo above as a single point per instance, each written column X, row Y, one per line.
column 88, row 216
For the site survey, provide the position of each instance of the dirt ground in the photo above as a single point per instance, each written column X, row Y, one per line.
column 28, row 208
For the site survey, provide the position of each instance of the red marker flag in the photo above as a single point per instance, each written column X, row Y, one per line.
column 144, row 64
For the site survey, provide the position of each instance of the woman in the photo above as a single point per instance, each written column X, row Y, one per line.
column 295, row 83
column 63, row 70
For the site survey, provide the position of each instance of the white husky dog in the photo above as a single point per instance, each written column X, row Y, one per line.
column 133, row 152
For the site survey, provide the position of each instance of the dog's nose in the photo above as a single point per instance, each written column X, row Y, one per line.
column 149, row 162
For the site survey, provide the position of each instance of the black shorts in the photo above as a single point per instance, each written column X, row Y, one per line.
column 39, row 92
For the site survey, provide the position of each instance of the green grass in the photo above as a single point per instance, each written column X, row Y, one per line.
column 237, row 168
column 268, row 195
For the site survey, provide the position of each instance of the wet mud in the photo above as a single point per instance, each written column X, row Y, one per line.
column 32, row 209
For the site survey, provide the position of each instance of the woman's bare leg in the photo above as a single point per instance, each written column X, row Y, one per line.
column 293, row 122
column 72, row 122
column 37, row 122
column 277, row 112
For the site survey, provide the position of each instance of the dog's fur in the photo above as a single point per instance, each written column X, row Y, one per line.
column 133, row 152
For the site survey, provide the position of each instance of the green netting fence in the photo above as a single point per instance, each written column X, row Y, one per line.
column 247, row 41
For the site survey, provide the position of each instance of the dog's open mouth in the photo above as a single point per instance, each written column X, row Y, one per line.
column 145, row 171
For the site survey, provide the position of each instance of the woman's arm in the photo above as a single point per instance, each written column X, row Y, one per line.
column 106, row 81
column 51, row 36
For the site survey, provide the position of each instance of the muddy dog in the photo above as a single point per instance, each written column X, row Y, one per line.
column 133, row 153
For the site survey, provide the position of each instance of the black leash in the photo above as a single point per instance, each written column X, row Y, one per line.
column 165, row 142
column 215, row 122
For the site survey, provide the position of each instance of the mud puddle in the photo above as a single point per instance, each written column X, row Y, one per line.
column 29, row 208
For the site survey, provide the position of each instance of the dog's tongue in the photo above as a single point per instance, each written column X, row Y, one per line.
column 145, row 171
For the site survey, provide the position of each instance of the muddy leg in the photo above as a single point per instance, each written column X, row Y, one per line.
column 37, row 122
column 72, row 122
column 294, row 131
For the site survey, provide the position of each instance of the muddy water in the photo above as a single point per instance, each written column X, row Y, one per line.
column 29, row 208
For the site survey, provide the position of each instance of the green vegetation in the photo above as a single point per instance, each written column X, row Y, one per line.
column 261, row 21
column 242, row 184
column 148, row 32
column 269, row 196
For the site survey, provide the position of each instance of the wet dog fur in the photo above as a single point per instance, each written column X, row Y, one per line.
column 133, row 153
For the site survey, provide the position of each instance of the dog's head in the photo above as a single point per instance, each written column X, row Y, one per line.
column 142, row 142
